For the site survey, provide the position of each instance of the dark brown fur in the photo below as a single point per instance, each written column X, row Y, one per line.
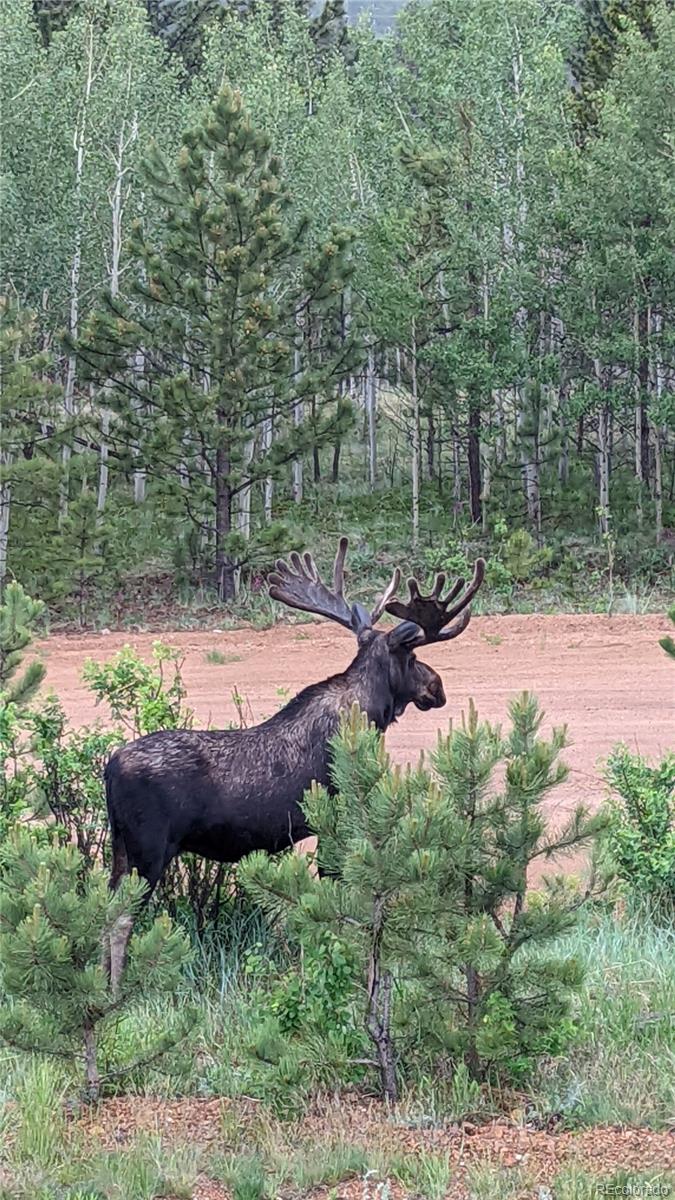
column 224, row 793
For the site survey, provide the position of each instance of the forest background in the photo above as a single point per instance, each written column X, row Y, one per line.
column 417, row 287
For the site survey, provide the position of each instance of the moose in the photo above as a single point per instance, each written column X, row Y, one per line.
column 224, row 793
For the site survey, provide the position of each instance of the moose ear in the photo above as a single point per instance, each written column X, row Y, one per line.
column 405, row 634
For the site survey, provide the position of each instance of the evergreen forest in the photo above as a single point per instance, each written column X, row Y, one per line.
column 269, row 276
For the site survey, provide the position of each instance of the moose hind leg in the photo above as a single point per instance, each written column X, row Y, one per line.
column 120, row 869
column 118, row 940
column 123, row 926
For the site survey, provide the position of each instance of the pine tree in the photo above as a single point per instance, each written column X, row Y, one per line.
column 28, row 399
column 426, row 879
column 18, row 618
column 492, row 1001
column 227, row 301
column 56, row 995
column 604, row 23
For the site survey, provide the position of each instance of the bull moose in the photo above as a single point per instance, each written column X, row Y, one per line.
column 224, row 793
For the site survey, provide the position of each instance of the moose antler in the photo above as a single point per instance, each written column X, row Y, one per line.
column 300, row 586
column 433, row 615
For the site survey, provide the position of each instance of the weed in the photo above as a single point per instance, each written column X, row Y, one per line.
column 426, row 1174
column 246, row 1177
column 216, row 658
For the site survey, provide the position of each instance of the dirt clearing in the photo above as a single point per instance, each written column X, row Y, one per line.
column 605, row 677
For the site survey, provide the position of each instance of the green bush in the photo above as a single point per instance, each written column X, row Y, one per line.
column 426, row 884
column 641, row 831
column 55, row 917
column 65, row 779
column 138, row 693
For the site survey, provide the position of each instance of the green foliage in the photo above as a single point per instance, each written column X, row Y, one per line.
column 231, row 265
column 65, row 778
column 54, row 916
column 426, row 882
column 138, row 693
column 667, row 642
column 307, row 1028
column 641, row 831
column 19, row 616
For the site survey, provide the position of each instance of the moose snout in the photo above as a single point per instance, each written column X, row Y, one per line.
column 432, row 696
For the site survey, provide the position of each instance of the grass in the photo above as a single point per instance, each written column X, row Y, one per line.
column 621, row 1070
column 623, row 1066
column 216, row 658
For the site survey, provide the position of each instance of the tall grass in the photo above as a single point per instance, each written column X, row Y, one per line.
column 623, row 1066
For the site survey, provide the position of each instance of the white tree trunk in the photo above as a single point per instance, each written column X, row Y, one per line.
column 268, row 486
column 371, row 414
column 139, row 473
column 416, row 438
column 103, row 462
column 456, row 479
column 603, row 469
column 298, row 414
column 79, row 143
column 658, row 484
column 243, row 513
column 5, row 508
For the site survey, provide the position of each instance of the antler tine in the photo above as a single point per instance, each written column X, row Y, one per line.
column 387, row 595
column 432, row 613
column 339, row 567
column 301, row 586
column 477, row 579
column 454, row 630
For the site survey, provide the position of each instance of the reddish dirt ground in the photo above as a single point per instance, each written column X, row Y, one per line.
column 531, row 1158
column 605, row 677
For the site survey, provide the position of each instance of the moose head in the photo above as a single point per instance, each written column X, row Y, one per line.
column 385, row 659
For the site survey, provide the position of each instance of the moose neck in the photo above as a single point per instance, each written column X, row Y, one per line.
column 316, row 711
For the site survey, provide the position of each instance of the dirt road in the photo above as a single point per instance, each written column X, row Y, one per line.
column 606, row 678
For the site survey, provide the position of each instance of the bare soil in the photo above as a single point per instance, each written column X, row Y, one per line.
column 532, row 1157
column 606, row 678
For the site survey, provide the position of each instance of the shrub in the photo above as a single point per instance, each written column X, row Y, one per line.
column 641, row 832
column 19, row 616
column 138, row 693
column 66, row 778
column 426, row 881
column 54, row 919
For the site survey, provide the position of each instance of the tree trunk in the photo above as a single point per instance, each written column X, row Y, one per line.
column 316, row 457
column 90, row 1064
column 431, row 445
column 5, row 507
column 225, row 567
column 658, row 485
column 371, row 416
column 415, row 466
column 529, row 459
column 75, row 269
column 378, row 1015
column 244, row 495
column 103, row 462
column 456, row 479
column 475, row 484
column 603, row 469
column 641, row 416
column 268, row 487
